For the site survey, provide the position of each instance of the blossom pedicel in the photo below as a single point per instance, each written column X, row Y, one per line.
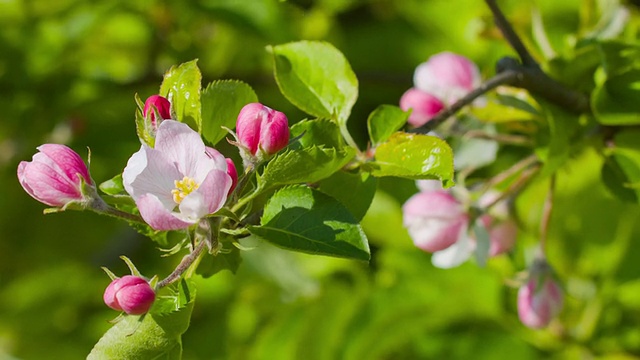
column 55, row 176
column 261, row 132
column 540, row 299
column 131, row 294
column 177, row 182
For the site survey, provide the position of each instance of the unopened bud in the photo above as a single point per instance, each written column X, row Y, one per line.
column 434, row 219
column 540, row 299
column 424, row 106
column 159, row 104
column 131, row 294
column 447, row 76
column 261, row 131
column 55, row 176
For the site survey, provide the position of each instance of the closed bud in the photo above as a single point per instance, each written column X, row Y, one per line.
column 540, row 299
column 435, row 220
column 447, row 76
column 424, row 106
column 261, row 132
column 156, row 104
column 55, row 176
column 131, row 294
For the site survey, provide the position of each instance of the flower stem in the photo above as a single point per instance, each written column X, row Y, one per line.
column 524, row 178
column 546, row 214
column 184, row 265
column 101, row 207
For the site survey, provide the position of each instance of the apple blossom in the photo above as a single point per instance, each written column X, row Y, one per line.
column 540, row 299
column 261, row 132
column 424, row 106
column 177, row 182
column 434, row 220
column 55, row 176
column 156, row 104
column 447, row 76
column 131, row 294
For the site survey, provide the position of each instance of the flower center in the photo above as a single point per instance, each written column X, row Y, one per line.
column 183, row 188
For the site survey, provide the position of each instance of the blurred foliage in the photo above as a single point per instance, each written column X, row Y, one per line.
column 68, row 72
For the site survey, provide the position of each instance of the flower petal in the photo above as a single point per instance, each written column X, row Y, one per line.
column 455, row 254
column 47, row 184
column 157, row 216
column 209, row 197
column 67, row 160
column 149, row 171
column 182, row 147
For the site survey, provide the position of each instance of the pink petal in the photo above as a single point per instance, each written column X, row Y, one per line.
column 46, row 184
column 209, row 197
column 67, row 160
column 157, row 216
column 248, row 125
column 148, row 171
column 424, row 106
column 182, row 147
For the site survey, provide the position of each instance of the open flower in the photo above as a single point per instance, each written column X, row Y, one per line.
column 55, row 176
column 176, row 183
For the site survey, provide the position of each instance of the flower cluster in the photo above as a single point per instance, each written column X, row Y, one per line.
column 174, row 179
column 438, row 82
column 439, row 222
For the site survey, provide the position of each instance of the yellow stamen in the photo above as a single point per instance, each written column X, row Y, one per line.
column 183, row 188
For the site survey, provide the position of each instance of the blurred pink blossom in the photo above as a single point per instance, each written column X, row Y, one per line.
column 540, row 300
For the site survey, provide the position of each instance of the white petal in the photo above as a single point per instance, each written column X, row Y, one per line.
column 182, row 147
column 455, row 254
column 149, row 172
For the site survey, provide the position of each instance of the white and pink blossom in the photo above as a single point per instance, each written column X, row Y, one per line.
column 424, row 106
column 177, row 182
column 447, row 76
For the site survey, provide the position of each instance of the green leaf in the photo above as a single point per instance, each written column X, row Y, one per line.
column 562, row 126
column 181, row 85
column 355, row 191
column 615, row 101
column 318, row 132
column 113, row 186
column 307, row 165
column 316, row 77
column 144, row 128
column 384, row 121
column 221, row 103
column 302, row 219
column 501, row 108
column 622, row 175
column 227, row 259
column 156, row 335
column 414, row 156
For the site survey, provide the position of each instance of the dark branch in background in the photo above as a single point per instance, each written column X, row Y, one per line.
column 525, row 74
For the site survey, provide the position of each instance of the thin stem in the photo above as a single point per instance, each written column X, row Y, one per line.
column 503, row 78
column 515, row 187
column 186, row 262
column 546, row 214
column 98, row 205
column 507, row 139
column 347, row 137
column 510, row 35
column 514, row 169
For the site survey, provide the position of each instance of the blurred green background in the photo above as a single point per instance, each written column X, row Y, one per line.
column 68, row 72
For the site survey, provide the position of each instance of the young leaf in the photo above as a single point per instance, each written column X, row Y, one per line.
column 181, row 85
column 228, row 259
column 384, row 121
column 113, row 186
column 302, row 219
column 624, row 169
column 221, row 103
column 316, row 77
column 156, row 335
column 307, row 165
column 355, row 191
column 414, row 156
column 318, row 132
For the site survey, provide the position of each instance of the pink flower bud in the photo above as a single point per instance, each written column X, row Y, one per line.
column 131, row 294
column 424, row 105
column 157, row 103
column 435, row 220
column 447, row 76
column 231, row 170
column 54, row 176
column 540, row 299
column 262, row 131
